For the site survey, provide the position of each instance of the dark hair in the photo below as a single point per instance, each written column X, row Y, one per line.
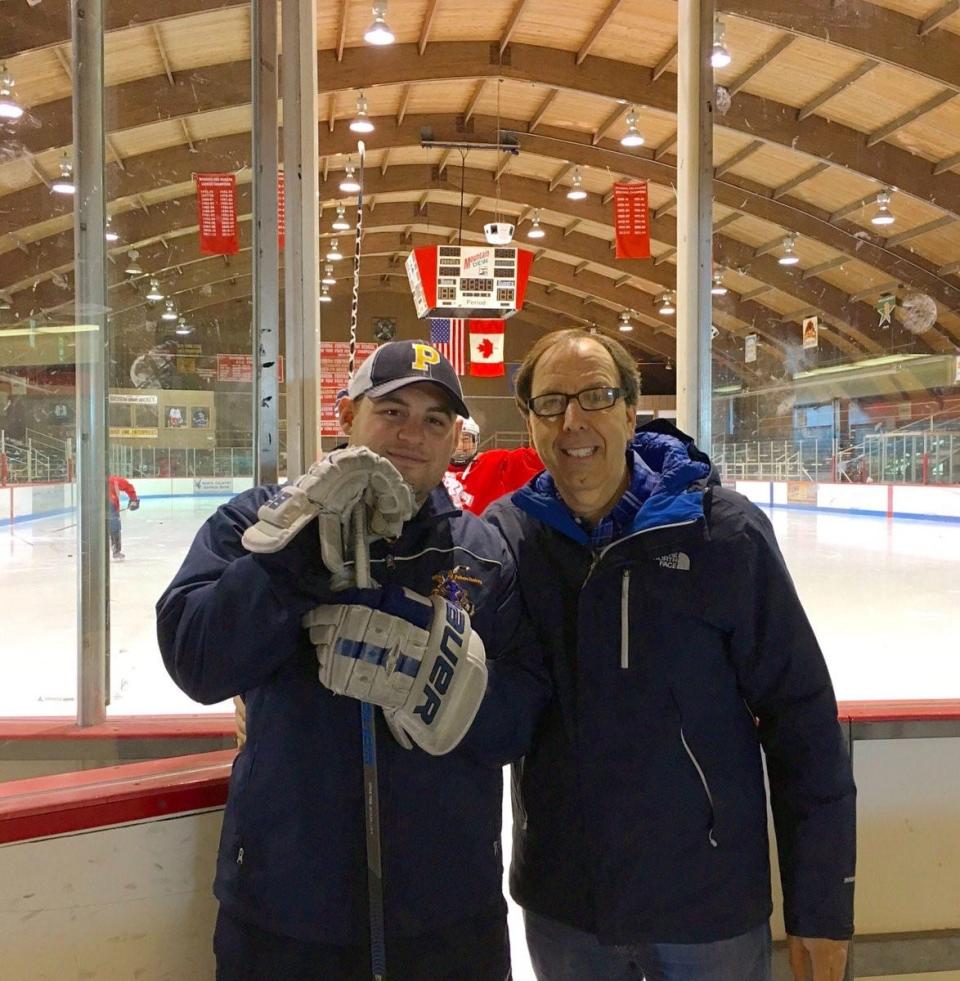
column 626, row 366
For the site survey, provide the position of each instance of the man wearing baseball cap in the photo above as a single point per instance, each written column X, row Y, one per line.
column 440, row 645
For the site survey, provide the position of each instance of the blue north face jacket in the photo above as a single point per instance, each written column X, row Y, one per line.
column 292, row 856
column 677, row 653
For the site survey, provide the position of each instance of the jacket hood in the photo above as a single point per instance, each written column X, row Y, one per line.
column 682, row 472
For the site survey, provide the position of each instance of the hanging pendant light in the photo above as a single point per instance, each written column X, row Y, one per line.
column 170, row 311
column 535, row 231
column 334, row 255
column 154, row 295
column 576, row 192
column 108, row 233
column 340, row 223
column 379, row 32
column 350, row 184
column 183, row 328
column 632, row 136
column 133, row 268
column 719, row 55
column 789, row 257
column 718, row 289
column 668, row 304
column 9, row 107
column 325, row 296
column 328, row 279
column 883, row 215
column 64, row 183
column 625, row 326
column 361, row 122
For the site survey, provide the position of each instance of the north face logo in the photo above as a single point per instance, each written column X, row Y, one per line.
column 675, row 560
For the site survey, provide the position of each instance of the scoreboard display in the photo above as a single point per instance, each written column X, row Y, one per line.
column 470, row 281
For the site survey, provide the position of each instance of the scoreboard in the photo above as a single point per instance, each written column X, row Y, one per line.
column 470, row 281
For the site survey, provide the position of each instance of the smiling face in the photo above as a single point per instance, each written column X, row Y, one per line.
column 584, row 451
column 415, row 428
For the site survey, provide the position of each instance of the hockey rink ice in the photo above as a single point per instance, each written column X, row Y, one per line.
column 883, row 596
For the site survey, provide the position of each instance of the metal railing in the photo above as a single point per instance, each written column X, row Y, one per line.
column 27, row 461
column 155, row 461
column 913, row 457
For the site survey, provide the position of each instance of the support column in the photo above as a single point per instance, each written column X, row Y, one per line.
column 301, row 259
column 266, row 251
column 694, row 218
column 92, row 357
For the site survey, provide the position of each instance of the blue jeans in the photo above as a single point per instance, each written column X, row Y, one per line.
column 561, row 953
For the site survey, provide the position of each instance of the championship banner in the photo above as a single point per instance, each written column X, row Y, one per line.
column 239, row 368
column 281, row 208
column 217, row 213
column 750, row 348
column 631, row 220
column 811, row 332
column 334, row 375
column 486, row 348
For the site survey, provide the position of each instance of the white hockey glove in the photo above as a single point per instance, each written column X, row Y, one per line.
column 329, row 490
column 415, row 656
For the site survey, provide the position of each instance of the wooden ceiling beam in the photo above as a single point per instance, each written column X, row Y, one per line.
column 840, row 86
column 665, row 148
column 342, row 28
column 427, row 24
column 385, row 162
column 511, row 24
column 946, row 164
column 665, row 256
column 560, row 176
column 597, row 28
column 894, row 126
column 474, row 100
column 34, row 166
column 756, row 67
column 742, row 154
column 664, row 63
column 795, row 182
column 572, row 227
column 331, row 111
column 161, row 48
column 64, row 58
column 505, row 161
column 722, row 223
column 542, row 110
column 404, row 103
column 615, row 116
column 934, row 21
column 186, row 135
column 825, row 266
column 919, row 230
column 891, row 284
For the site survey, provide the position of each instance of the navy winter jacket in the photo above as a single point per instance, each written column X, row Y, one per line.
column 292, row 854
column 676, row 652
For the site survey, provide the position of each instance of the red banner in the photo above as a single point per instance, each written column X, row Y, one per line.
column 334, row 374
column 217, row 213
column 486, row 348
column 281, row 208
column 631, row 220
column 239, row 368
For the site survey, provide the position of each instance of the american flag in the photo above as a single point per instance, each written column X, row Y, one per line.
column 448, row 337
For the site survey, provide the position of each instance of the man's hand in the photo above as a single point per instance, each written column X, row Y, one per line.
column 133, row 505
column 817, row 958
column 415, row 656
column 329, row 490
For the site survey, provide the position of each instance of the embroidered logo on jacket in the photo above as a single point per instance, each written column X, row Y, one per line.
column 675, row 560
column 452, row 586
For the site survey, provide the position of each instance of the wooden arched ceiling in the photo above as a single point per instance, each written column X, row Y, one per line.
column 791, row 154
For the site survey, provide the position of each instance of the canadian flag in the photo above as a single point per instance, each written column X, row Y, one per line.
column 486, row 348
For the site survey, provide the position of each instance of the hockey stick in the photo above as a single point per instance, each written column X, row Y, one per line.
column 371, row 795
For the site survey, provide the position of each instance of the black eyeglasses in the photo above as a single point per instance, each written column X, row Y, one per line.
column 555, row 403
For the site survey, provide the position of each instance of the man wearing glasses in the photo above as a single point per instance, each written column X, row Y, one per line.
column 679, row 650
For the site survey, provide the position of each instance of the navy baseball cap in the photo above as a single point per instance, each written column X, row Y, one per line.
column 400, row 363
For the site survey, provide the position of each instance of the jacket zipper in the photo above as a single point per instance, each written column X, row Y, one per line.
column 706, row 786
column 625, row 620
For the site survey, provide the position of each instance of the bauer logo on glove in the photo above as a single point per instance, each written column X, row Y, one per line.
column 416, row 657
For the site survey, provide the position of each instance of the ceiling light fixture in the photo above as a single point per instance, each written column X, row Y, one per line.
column 350, row 184
column 108, row 233
column 718, row 289
column 361, row 122
column 789, row 257
column 668, row 304
column 340, row 223
column 328, row 279
column 153, row 294
column 183, row 328
column 883, row 215
column 334, row 255
column 632, row 136
column 170, row 311
column 379, row 32
column 133, row 268
column 669, row 365
column 64, row 183
column 5, row 302
column 719, row 55
column 9, row 109
column 535, row 231
column 625, row 324
column 325, row 296
column 576, row 192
